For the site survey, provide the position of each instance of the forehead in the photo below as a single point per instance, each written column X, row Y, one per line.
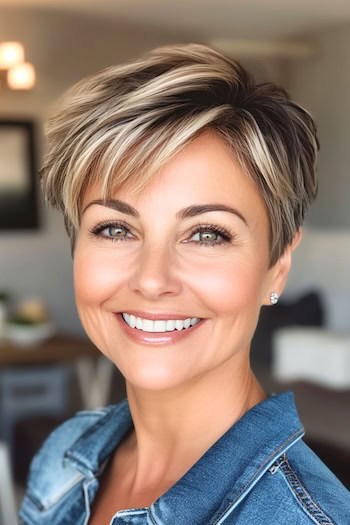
column 204, row 171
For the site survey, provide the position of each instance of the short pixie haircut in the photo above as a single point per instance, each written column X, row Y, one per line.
column 122, row 124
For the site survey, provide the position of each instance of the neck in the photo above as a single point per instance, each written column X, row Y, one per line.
column 177, row 427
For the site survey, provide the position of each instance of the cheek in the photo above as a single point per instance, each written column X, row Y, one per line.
column 96, row 275
column 231, row 286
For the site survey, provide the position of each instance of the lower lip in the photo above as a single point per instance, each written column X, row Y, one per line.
column 157, row 338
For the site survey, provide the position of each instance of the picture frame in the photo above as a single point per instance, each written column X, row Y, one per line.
column 18, row 176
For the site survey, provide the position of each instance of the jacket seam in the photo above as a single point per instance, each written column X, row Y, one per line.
column 303, row 497
column 81, row 462
column 130, row 513
column 267, row 461
column 24, row 518
column 67, row 487
column 153, row 518
column 88, row 413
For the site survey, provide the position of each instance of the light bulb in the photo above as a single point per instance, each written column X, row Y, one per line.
column 11, row 53
column 21, row 76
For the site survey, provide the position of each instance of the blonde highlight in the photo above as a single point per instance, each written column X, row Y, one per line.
column 121, row 125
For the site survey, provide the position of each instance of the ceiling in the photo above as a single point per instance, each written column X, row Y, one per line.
column 210, row 19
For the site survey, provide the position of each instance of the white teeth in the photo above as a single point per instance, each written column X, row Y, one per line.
column 170, row 326
column 159, row 326
column 187, row 323
column 148, row 325
column 179, row 324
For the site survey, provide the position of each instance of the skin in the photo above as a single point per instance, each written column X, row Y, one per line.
column 175, row 389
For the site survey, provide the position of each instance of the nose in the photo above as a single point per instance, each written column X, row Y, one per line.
column 155, row 274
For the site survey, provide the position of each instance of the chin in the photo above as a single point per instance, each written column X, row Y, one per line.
column 155, row 379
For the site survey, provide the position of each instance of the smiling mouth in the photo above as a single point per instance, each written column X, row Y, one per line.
column 159, row 325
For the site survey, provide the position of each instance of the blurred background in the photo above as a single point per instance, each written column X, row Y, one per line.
column 47, row 368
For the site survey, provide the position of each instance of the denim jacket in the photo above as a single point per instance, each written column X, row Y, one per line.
column 259, row 472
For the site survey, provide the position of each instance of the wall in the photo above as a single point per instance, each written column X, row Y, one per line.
column 321, row 84
column 64, row 48
column 321, row 262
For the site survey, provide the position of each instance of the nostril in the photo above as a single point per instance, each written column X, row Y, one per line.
column 152, row 285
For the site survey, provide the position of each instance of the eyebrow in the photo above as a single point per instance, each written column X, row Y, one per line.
column 115, row 204
column 190, row 211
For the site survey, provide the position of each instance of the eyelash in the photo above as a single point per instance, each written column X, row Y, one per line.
column 226, row 236
column 98, row 229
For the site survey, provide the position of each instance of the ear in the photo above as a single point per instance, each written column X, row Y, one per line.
column 278, row 273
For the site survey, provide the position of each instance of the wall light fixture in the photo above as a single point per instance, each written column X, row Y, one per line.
column 15, row 73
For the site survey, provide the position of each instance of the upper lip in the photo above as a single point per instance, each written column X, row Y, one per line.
column 161, row 316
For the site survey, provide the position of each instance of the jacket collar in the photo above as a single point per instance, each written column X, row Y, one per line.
column 94, row 447
column 226, row 472
column 232, row 466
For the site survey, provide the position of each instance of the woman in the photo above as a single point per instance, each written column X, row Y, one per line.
column 183, row 185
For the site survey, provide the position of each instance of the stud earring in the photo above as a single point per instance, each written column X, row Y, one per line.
column 274, row 298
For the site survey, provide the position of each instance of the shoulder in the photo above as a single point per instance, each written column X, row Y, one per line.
column 297, row 489
column 314, row 487
column 68, row 432
column 67, row 457
column 50, row 459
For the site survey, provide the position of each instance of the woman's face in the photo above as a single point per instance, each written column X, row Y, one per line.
column 193, row 246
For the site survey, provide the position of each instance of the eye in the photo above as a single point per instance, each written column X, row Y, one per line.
column 210, row 235
column 115, row 231
column 206, row 236
column 112, row 231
